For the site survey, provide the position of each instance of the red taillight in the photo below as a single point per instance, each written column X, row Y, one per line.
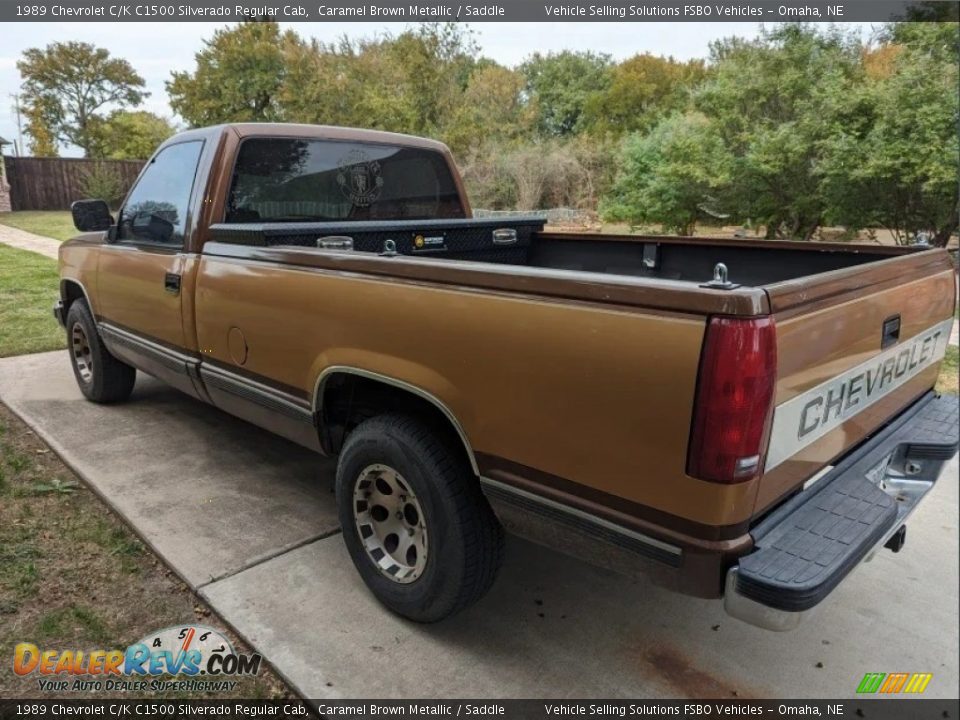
column 731, row 423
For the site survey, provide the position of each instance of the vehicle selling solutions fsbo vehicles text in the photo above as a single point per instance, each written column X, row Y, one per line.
column 638, row 11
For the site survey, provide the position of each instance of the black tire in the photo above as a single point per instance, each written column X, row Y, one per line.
column 465, row 539
column 101, row 377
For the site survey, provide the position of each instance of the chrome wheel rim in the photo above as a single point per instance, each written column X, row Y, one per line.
column 82, row 356
column 390, row 523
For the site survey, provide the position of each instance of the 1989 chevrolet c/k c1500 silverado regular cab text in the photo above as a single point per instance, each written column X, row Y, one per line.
column 746, row 420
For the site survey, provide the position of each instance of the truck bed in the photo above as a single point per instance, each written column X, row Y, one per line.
column 686, row 259
column 830, row 302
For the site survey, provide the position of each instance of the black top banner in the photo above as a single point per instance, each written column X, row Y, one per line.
column 481, row 11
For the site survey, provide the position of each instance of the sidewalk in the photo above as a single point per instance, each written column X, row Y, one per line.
column 23, row 240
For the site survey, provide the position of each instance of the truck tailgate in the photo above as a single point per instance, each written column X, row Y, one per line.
column 854, row 348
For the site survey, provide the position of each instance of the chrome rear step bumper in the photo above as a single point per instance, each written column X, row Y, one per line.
column 807, row 546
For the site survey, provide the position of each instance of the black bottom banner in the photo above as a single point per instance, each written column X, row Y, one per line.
column 872, row 709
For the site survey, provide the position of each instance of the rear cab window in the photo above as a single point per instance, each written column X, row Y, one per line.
column 302, row 180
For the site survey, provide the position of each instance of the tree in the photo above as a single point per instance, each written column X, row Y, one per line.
column 559, row 85
column 670, row 175
column 813, row 127
column 321, row 83
column 880, row 62
column 773, row 101
column 435, row 60
column 934, row 30
column 491, row 110
column 896, row 165
column 238, row 76
column 130, row 135
column 43, row 140
column 66, row 84
column 411, row 83
column 642, row 90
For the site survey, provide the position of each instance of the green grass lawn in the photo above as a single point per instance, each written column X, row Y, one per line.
column 56, row 224
column 950, row 371
column 73, row 575
column 28, row 289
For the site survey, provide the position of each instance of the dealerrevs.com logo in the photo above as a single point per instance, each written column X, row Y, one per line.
column 184, row 658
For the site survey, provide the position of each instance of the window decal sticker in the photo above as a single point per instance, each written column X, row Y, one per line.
column 359, row 178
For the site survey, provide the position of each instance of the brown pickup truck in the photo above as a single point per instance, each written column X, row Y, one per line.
column 736, row 419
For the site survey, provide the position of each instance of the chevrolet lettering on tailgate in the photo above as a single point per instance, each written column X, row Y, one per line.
column 811, row 415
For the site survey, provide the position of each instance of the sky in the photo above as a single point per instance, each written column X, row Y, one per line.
column 157, row 49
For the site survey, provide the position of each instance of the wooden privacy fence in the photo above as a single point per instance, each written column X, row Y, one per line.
column 54, row 183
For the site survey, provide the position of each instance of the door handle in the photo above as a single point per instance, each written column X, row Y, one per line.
column 335, row 242
column 171, row 283
column 891, row 332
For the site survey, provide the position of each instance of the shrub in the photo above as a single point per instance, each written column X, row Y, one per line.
column 102, row 182
column 542, row 175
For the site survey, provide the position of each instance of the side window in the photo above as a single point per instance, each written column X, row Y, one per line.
column 156, row 211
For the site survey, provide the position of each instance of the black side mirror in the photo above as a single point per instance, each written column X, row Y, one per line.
column 91, row 215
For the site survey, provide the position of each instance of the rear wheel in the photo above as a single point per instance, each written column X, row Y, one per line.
column 101, row 377
column 417, row 527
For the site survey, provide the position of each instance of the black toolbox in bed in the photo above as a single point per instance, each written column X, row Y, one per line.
column 504, row 240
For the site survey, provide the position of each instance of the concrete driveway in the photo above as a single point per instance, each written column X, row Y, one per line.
column 249, row 520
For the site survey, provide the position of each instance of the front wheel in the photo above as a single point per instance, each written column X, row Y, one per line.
column 417, row 527
column 101, row 377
